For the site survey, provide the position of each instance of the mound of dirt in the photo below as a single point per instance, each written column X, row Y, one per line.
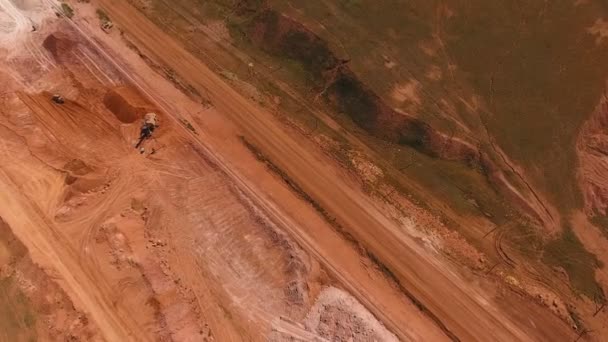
column 127, row 104
column 77, row 167
column 337, row 316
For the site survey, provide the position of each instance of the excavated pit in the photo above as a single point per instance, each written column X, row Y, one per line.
column 58, row 43
column 126, row 104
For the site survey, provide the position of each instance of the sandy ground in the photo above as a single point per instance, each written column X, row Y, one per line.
column 195, row 239
column 156, row 246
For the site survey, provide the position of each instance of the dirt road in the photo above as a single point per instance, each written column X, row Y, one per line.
column 174, row 244
column 27, row 219
column 336, row 254
column 463, row 310
column 200, row 239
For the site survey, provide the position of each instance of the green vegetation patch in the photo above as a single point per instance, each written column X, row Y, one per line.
column 17, row 317
column 525, row 237
column 569, row 253
column 102, row 15
column 535, row 67
column 353, row 100
column 541, row 73
column 67, row 10
column 290, row 40
column 537, row 71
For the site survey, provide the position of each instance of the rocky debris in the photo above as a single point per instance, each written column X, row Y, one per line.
column 337, row 316
column 69, row 206
column 157, row 243
column 592, row 148
column 543, row 296
column 364, row 167
column 120, row 250
column 339, row 325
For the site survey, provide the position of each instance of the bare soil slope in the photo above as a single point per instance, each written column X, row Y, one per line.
column 162, row 245
column 488, row 116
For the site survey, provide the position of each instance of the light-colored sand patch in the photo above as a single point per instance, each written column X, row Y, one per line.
column 473, row 104
column 407, row 93
column 434, row 73
column 389, row 63
column 599, row 29
column 217, row 31
column 365, row 168
column 429, row 47
column 18, row 18
column 445, row 11
column 12, row 23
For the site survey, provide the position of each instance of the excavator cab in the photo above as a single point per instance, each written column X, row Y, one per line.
column 146, row 130
column 58, row 99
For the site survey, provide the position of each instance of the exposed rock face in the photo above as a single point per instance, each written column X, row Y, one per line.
column 593, row 155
